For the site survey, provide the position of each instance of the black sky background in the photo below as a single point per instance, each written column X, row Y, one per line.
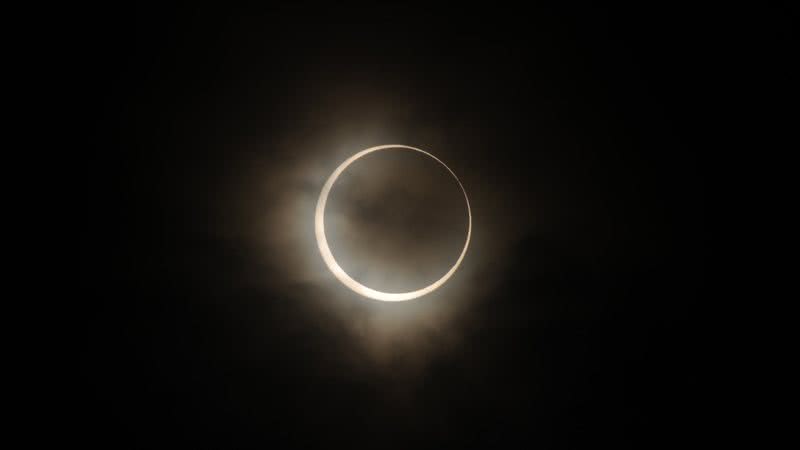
column 594, row 336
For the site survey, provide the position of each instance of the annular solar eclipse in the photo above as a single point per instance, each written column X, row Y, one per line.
column 339, row 273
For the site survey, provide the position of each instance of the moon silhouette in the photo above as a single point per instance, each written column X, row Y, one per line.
column 340, row 274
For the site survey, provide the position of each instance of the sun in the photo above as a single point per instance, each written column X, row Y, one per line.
column 340, row 274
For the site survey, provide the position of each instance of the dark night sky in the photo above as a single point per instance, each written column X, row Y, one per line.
column 576, row 321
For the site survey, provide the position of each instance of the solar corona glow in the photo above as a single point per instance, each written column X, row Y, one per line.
column 340, row 274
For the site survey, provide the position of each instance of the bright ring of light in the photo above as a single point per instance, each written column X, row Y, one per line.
column 347, row 280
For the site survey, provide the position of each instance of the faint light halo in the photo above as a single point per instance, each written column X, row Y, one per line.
column 338, row 272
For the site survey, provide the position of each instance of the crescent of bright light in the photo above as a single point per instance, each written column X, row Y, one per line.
column 347, row 280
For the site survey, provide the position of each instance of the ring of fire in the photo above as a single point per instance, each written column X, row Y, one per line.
column 340, row 274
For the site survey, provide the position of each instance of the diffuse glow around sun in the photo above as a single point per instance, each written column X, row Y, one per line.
column 339, row 273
